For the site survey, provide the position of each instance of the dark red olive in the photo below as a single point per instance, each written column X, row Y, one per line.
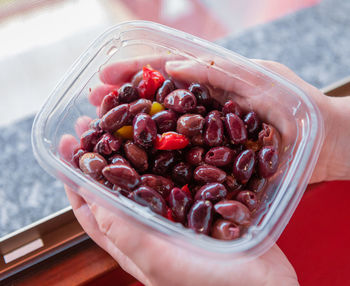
column 137, row 78
column 141, row 105
column 165, row 121
column 179, row 202
column 76, row 157
column 89, row 139
column 116, row 118
column 167, row 87
column 256, row 184
column 225, row 230
column 233, row 211
column 158, row 183
column 195, row 155
column 201, row 110
column 213, row 129
column 252, row 123
column 200, row 216
column 219, row 156
column 235, row 128
column 267, row 161
column 201, row 92
column 243, row 166
column 197, row 140
column 181, row 101
column 92, row 164
column 136, row 156
column 118, row 159
column 209, row 174
column 269, row 136
column 95, row 124
column 249, row 199
column 148, row 197
column 122, row 175
column 145, row 130
column 109, row 101
column 108, row 144
column 182, row 173
column 127, row 93
column 212, row 192
column 232, row 186
column 163, row 161
column 232, row 107
column 190, row 124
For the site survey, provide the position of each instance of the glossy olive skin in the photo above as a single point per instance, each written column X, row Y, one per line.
column 137, row 78
column 118, row 159
column 76, row 157
column 179, row 202
column 127, row 93
column 200, row 216
column 163, row 161
column 167, row 87
column 95, row 124
column 195, row 155
column 233, row 211
column 165, row 121
column 252, row 123
column 267, row 161
column 231, row 184
column 136, row 156
column 219, row 156
column 141, row 105
column 108, row 102
column 92, row 164
column 269, row 136
column 108, row 144
column 225, row 230
column 89, row 139
column 209, row 174
column 115, row 118
column 148, row 197
column 201, row 92
column 197, row 140
column 158, row 183
column 213, row 129
column 231, row 106
column 190, row 124
column 181, row 101
column 249, row 199
column 212, row 192
column 122, row 175
column 145, row 130
column 235, row 128
column 182, row 173
column 256, row 184
column 243, row 166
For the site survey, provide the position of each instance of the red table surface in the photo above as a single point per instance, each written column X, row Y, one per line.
column 317, row 238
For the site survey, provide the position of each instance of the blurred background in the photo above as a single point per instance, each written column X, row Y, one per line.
column 40, row 39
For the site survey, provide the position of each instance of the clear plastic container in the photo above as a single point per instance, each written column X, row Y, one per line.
column 276, row 100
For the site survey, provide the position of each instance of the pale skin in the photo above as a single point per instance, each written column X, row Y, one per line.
column 154, row 261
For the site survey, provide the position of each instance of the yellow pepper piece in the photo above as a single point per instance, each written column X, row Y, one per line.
column 155, row 108
column 126, row 132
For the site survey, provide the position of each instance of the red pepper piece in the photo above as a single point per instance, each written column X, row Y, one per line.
column 186, row 189
column 171, row 141
column 169, row 215
column 151, row 81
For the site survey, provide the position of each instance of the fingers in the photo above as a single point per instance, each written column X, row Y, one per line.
column 68, row 144
column 97, row 94
column 122, row 71
column 82, row 124
column 87, row 220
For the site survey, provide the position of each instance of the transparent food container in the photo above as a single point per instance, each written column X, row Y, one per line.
column 228, row 75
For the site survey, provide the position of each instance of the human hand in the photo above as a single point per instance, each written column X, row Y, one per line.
column 152, row 260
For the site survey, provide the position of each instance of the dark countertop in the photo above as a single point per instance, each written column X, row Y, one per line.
column 314, row 42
